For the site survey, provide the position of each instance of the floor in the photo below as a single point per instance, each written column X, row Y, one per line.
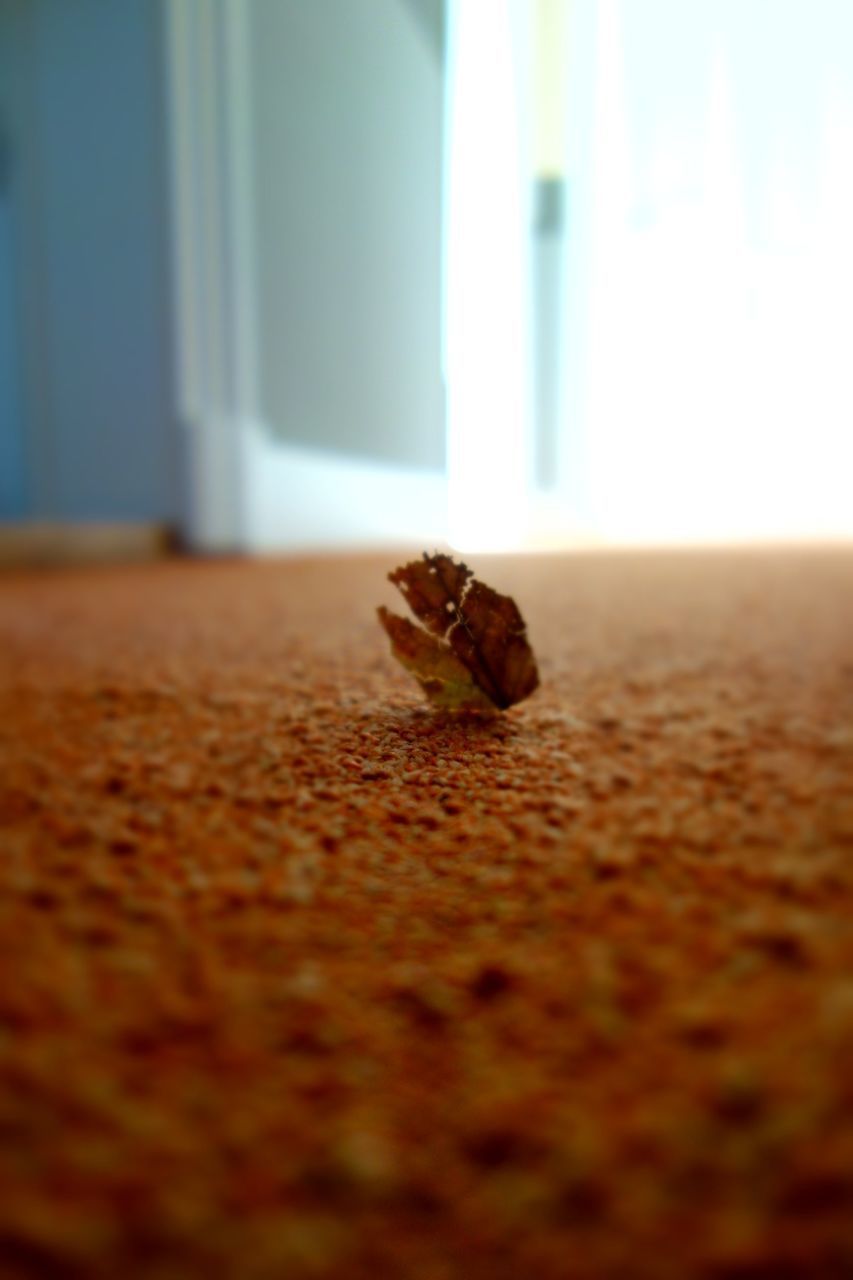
column 301, row 979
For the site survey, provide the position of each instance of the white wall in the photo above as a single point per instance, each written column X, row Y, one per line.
column 347, row 116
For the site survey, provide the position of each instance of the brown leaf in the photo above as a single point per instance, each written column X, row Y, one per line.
column 474, row 654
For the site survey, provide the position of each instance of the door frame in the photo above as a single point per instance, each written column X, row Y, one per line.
column 245, row 490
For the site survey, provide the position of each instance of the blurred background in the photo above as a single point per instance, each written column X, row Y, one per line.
column 283, row 274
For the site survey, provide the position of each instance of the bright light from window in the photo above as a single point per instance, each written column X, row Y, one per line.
column 486, row 313
column 708, row 375
column 720, row 395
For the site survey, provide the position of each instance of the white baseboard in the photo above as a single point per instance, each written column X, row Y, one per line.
column 298, row 499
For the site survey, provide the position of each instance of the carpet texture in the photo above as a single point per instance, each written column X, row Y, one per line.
column 299, row 980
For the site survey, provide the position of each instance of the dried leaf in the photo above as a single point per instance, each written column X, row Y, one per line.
column 474, row 654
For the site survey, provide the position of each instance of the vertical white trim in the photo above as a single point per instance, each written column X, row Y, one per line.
column 179, row 124
column 207, row 81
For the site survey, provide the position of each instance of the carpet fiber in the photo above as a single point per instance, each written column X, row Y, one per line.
column 300, row 980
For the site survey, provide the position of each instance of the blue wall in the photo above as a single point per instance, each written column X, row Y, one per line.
column 13, row 477
column 86, row 136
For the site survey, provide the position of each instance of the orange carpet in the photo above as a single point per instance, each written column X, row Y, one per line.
column 298, row 980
